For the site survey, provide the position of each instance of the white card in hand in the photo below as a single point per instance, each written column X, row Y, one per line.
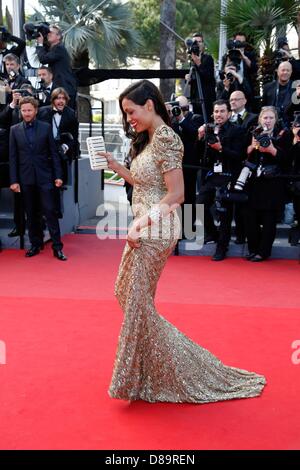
column 95, row 145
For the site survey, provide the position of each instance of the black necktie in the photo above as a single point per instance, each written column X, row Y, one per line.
column 239, row 119
column 55, row 111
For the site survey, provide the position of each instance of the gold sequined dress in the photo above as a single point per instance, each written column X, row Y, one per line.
column 155, row 362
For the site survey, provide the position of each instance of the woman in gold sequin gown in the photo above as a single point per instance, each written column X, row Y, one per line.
column 155, row 362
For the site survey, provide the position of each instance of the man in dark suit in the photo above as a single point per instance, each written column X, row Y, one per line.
column 45, row 76
column 35, row 170
column 247, row 121
column 239, row 113
column 59, row 60
column 204, row 66
column 224, row 156
column 13, row 78
column 279, row 92
column 63, row 120
column 186, row 125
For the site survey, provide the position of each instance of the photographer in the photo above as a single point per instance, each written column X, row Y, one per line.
column 45, row 76
column 204, row 66
column 56, row 55
column 267, row 159
column 244, row 57
column 186, row 124
column 232, row 81
column 13, row 79
column 223, row 145
column 279, row 92
column 295, row 185
column 6, row 37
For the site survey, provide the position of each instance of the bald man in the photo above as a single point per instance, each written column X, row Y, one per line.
column 239, row 113
column 186, row 126
column 279, row 92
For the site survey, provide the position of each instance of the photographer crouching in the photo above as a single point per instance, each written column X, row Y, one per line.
column 223, row 146
column 266, row 161
column 186, row 124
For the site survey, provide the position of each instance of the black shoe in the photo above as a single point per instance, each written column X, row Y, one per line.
column 59, row 255
column 257, row 259
column 34, row 250
column 210, row 239
column 220, row 254
column 249, row 256
column 15, row 233
column 240, row 241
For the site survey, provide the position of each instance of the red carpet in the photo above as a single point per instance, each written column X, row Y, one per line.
column 60, row 323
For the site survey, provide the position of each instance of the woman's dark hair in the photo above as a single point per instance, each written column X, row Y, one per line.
column 139, row 93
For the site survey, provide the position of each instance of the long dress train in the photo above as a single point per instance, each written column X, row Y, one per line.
column 155, row 362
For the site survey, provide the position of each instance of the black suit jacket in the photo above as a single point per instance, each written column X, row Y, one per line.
column 270, row 94
column 58, row 59
column 188, row 132
column 39, row 165
column 68, row 123
column 233, row 140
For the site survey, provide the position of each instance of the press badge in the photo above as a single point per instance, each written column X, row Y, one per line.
column 218, row 167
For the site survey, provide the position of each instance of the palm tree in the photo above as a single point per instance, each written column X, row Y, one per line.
column 261, row 21
column 167, row 45
column 96, row 33
column 100, row 32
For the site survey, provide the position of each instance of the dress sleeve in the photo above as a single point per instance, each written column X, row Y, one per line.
column 168, row 149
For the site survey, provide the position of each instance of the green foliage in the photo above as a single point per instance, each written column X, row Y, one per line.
column 102, row 33
column 191, row 16
column 259, row 18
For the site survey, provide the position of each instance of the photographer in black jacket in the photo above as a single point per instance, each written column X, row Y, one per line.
column 6, row 37
column 186, row 124
column 223, row 147
column 56, row 56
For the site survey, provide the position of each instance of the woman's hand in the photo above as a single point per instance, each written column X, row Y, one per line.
column 111, row 161
column 133, row 236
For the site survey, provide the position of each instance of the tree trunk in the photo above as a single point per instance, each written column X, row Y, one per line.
column 83, row 109
column 1, row 13
column 167, row 45
column 8, row 19
column 298, row 31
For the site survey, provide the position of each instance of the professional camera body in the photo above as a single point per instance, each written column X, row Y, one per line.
column 192, row 47
column 4, row 34
column 264, row 139
column 228, row 76
column 210, row 135
column 233, row 52
column 176, row 109
column 33, row 30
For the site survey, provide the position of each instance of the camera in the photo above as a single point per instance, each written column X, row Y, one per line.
column 229, row 76
column 176, row 109
column 245, row 174
column 210, row 136
column 23, row 92
column 234, row 52
column 192, row 47
column 261, row 137
column 33, row 30
column 4, row 34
